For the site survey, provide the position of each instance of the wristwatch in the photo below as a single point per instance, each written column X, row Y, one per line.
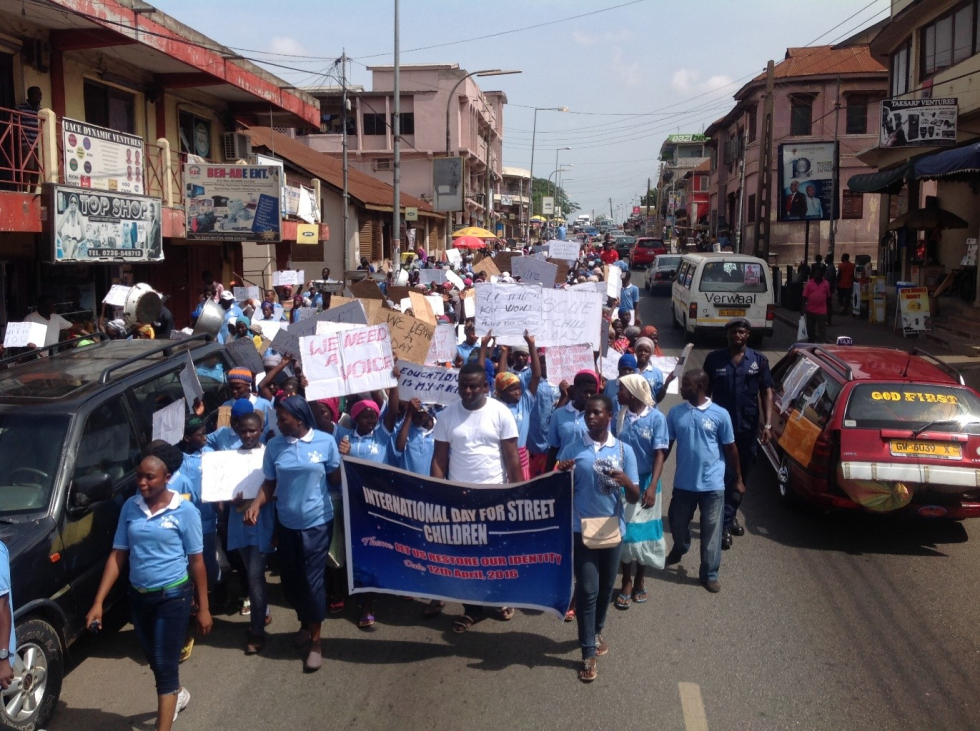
column 4, row 653
column 768, row 427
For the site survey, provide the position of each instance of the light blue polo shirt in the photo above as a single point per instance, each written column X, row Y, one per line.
column 373, row 447
column 589, row 500
column 566, row 423
column 629, row 297
column 262, row 406
column 544, row 405
column 646, row 434
column 260, row 534
column 611, row 391
column 7, row 591
column 464, row 349
column 190, row 474
column 521, row 412
column 300, row 467
column 223, row 439
column 700, row 434
column 654, row 377
column 417, row 456
column 158, row 544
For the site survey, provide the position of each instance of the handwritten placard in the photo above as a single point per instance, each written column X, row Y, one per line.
column 437, row 303
column 351, row 361
column 432, row 276
column 667, row 365
column 566, row 250
column 564, row 361
column 422, row 307
column 535, row 271
column 411, row 338
column 117, row 294
column 286, row 343
column 454, row 257
column 287, row 278
column 443, row 348
column 243, row 353
column 351, row 311
column 227, row 474
column 22, row 334
column 168, row 422
column 429, row 384
column 190, row 382
column 609, row 365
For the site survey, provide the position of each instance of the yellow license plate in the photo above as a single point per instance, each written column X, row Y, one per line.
column 941, row 450
column 731, row 313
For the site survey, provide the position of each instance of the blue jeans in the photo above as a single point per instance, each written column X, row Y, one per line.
column 596, row 570
column 254, row 561
column 160, row 619
column 683, row 503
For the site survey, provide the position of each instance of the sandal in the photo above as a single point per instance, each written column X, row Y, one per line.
column 366, row 621
column 588, row 672
column 640, row 596
column 254, row 645
column 433, row 609
column 570, row 615
column 463, row 623
column 622, row 602
column 185, row 653
column 336, row 607
column 506, row 613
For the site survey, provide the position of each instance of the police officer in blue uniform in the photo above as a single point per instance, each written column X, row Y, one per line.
column 741, row 383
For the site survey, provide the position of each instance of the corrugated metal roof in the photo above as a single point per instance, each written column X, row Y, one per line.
column 362, row 187
column 822, row 60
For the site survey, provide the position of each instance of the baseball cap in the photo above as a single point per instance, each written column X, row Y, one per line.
column 226, row 295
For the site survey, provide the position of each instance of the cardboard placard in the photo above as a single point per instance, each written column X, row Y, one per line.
column 422, row 308
column 22, row 334
column 243, row 353
column 397, row 294
column 117, row 294
column 286, row 343
column 534, row 271
column 562, row 276
column 224, row 417
column 443, row 348
column 429, row 384
column 503, row 260
column 564, row 361
column 365, row 289
column 191, row 384
column 168, row 422
column 352, row 311
column 486, row 265
column 468, row 299
column 347, row 362
column 411, row 337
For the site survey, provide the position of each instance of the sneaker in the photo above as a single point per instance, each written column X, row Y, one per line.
column 601, row 646
column 183, row 698
column 246, row 609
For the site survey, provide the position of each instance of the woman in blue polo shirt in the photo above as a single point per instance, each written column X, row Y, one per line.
column 159, row 534
column 413, row 444
column 297, row 466
column 518, row 394
column 600, row 465
column 644, row 428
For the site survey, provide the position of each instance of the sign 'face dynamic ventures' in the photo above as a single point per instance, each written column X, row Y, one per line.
column 233, row 202
column 102, row 159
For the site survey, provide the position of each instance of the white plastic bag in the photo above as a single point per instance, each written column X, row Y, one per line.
column 801, row 335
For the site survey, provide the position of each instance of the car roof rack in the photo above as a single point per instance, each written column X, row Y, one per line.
column 841, row 366
column 943, row 365
column 193, row 340
column 49, row 349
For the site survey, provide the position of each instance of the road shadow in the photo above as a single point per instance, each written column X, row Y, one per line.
column 94, row 719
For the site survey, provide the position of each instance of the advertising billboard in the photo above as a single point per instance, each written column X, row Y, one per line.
column 102, row 159
column 233, row 202
column 90, row 226
column 447, row 184
column 918, row 122
column 806, row 181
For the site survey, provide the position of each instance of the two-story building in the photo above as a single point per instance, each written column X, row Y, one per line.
column 427, row 99
column 819, row 92
column 512, row 202
column 101, row 106
column 681, row 155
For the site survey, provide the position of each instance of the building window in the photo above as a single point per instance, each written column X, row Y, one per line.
column 947, row 41
column 853, row 205
column 195, row 134
column 107, row 106
column 406, row 123
column 701, row 183
column 374, row 124
column 857, row 114
column 751, row 209
column 901, row 80
column 801, row 116
column 753, row 122
column 963, row 33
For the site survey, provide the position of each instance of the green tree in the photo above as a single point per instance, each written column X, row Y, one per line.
column 653, row 200
column 542, row 187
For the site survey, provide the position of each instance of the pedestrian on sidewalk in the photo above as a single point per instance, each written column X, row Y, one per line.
column 706, row 449
column 831, row 276
column 738, row 378
column 845, row 282
column 816, row 304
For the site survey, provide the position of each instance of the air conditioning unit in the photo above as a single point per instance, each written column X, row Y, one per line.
column 381, row 163
column 237, row 146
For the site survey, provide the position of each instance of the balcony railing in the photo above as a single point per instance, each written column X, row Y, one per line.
column 21, row 161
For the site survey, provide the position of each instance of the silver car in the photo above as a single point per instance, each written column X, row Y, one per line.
column 660, row 275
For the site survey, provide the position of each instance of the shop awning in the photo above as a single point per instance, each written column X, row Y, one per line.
column 948, row 163
column 884, row 181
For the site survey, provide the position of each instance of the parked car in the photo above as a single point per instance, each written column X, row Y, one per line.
column 645, row 250
column 711, row 289
column 660, row 275
column 591, row 231
column 72, row 426
column 623, row 244
column 875, row 429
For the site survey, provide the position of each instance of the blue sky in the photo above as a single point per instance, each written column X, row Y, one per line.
column 630, row 75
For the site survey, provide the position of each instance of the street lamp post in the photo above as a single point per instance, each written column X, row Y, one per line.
column 449, row 103
column 555, row 191
column 534, row 134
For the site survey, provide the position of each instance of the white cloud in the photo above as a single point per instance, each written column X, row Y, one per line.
column 287, row 45
column 594, row 39
column 688, row 81
column 629, row 72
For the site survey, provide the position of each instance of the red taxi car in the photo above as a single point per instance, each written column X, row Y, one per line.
column 875, row 429
column 644, row 251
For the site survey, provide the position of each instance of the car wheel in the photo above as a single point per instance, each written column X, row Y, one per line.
column 32, row 697
column 673, row 317
column 787, row 495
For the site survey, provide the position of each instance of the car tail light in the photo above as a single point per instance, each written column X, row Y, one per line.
column 692, row 311
column 770, row 313
column 658, row 275
column 821, row 450
column 932, row 511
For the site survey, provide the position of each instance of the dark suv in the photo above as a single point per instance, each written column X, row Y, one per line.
column 72, row 426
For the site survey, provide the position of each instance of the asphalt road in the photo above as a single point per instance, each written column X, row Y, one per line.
column 823, row 622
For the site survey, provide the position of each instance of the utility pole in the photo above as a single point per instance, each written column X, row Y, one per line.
column 611, row 210
column 348, row 260
column 763, row 197
column 648, row 197
column 396, row 214
column 741, row 195
column 834, row 206
column 660, row 198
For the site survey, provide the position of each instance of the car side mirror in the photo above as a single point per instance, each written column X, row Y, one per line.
column 88, row 490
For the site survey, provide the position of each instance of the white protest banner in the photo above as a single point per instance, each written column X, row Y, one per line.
column 350, row 312
column 564, row 361
column 469, row 306
column 429, row 384
column 22, row 334
column 614, row 280
column 405, row 304
column 516, row 308
column 253, row 293
column 609, row 365
column 534, row 271
column 453, row 278
column 287, row 278
column 599, row 287
column 437, row 304
column 286, row 343
column 116, row 296
column 241, row 294
column 567, row 250
column 443, row 348
column 268, row 328
column 326, row 328
column 432, row 276
column 667, row 365
column 351, row 361
column 454, row 257
column 168, row 422
column 191, row 383
column 570, row 316
column 484, row 309
column 227, row 474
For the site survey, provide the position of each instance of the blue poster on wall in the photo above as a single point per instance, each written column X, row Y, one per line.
column 506, row 545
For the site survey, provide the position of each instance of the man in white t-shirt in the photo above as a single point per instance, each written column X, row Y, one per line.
column 54, row 322
column 475, row 442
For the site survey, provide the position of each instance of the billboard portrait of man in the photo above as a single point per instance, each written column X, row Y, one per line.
column 795, row 202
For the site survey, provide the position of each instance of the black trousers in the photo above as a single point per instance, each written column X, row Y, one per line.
column 747, row 445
